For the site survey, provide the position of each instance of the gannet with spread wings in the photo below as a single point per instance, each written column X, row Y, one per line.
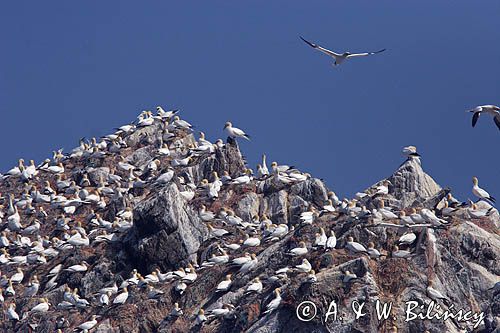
column 339, row 58
column 488, row 109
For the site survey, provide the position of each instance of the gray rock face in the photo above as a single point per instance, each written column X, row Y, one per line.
column 411, row 185
column 167, row 231
column 167, row 224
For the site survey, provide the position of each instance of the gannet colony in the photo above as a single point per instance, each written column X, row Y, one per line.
column 155, row 229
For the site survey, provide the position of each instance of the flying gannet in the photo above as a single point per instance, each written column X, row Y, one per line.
column 489, row 109
column 339, row 58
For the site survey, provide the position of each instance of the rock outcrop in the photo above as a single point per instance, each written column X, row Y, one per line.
column 459, row 255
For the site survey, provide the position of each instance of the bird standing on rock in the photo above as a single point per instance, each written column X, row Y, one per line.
column 273, row 305
column 479, row 192
column 235, row 132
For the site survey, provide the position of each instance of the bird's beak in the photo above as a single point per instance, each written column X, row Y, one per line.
column 224, row 127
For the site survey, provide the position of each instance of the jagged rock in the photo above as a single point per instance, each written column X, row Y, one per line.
column 411, row 185
column 248, row 206
column 167, row 231
column 96, row 174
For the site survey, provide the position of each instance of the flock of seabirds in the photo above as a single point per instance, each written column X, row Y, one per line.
column 50, row 197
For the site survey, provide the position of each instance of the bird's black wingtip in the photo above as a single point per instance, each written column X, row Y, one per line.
column 308, row 42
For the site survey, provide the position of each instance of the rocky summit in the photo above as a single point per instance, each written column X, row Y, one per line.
column 152, row 230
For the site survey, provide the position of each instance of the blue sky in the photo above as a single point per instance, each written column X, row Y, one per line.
column 74, row 69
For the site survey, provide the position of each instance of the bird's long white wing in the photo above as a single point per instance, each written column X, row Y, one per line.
column 353, row 55
column 328, row 52
column 482, row 193
column 238, row 132
column 321, row 49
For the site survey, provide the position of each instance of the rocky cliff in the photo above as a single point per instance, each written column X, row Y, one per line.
column 157, row 217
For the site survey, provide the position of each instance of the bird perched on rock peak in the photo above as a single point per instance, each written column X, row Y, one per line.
column 479, row 192
column 235, row 132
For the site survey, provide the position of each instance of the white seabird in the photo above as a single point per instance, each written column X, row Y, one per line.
column 251, row 264
column 406, row 219
column 216, row 232
column 372, row 251
column 254, row 287
column 176, row 311
column 222, row 259
column 431, row 218
column 397, row 253
column 206, row 215
column 348, row 277
column 234, row 132
column 415, row 217
column 77, row 268
column 320, row 238
column 200, row 318
column 386, row 213
column 226, row 310
column 479, row 192
column 410, row 151
column 165, row 114
column 305, row 266
column 122, row 297
column 11, row 312
column 354, row 247
column 311, row 277
column 154, row 293
column 225, row 284
column 179, row 123
column 242, row 260
column 407, row 238
column 264, row 169
column 331, row 242
column 475, row 212
column 43, row 306
column 88, row 324
column 489, row 109
column 104, row 298
column 339, row 57
column 273, row 305
column 251, row 241
column 300, row 250
column 18, row 276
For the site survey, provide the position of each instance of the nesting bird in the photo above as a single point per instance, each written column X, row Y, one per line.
column 479, row 192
